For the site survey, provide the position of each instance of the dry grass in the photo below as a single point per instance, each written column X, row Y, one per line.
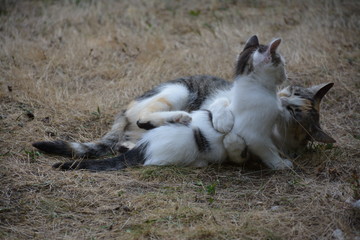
column 67, row 67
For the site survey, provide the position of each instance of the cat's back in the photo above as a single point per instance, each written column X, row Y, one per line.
column 201, row 84
column 201, row 88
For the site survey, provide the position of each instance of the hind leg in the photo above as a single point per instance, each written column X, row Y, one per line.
column 235, row 148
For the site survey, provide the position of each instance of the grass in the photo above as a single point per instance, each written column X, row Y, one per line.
column 67, row 67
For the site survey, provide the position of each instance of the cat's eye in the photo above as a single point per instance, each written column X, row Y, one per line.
column 290, row 109
column 296, row 94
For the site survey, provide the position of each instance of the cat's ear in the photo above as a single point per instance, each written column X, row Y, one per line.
column 321, row 89
column 320, row 136
column 252, row 42
column 319, row 92
column 274, row 45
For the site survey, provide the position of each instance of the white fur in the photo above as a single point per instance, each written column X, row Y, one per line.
column 175, row 144
column 256, row 108
column 255, row 126
column 235, row 146
column 223, row 118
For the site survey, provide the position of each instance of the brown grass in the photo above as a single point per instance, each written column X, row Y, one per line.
column 67, row 67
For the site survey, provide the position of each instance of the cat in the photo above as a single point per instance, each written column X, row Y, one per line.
column 199, row 148
column 255, row 104
column 125, row 132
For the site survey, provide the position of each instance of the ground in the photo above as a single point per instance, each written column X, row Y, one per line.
column 67, row 68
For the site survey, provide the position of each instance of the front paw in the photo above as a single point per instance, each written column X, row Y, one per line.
column 284, row 164
column 147, row 125
column 182, row 118
column 223, row 121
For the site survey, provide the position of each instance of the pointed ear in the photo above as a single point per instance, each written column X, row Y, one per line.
column 319, row 92
column 274, row 45
column 252, row 42
column 320, row 136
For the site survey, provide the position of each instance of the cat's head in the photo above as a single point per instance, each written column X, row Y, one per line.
column 261, row 59
column 302, row 112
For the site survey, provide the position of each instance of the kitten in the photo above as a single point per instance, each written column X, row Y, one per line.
column 198, row 143
column 255, row 104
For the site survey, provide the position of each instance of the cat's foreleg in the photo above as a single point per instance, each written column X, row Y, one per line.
column 222, row 117
column 268, row 153
column 158, row 119
column 163, row 108
column 235, row 147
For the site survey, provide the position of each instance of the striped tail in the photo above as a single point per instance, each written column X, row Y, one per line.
column 106, row 145
column 134, row 157
column 73, row 149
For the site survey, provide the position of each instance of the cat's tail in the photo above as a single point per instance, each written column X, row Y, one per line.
column 106, row 145
column 134, row 157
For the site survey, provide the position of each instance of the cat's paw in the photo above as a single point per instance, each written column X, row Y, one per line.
column 125, row 146
column 283, row 164
column 182, row 118
column 222, row 117
column 235, row 147
column 147, row 125
column 223, row 121
column 233, row 141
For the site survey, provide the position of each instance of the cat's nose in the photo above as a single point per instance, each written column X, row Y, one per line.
column 284, row 101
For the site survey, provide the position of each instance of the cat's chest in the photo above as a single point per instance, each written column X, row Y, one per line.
column 254, row 101
column 254, row 109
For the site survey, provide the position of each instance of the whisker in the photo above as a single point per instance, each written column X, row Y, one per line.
column 304, row 128
column 313, row 139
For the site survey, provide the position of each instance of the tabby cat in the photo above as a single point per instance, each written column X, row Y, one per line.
column 299, row 121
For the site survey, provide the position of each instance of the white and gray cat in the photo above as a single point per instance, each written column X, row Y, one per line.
column 198, row 143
